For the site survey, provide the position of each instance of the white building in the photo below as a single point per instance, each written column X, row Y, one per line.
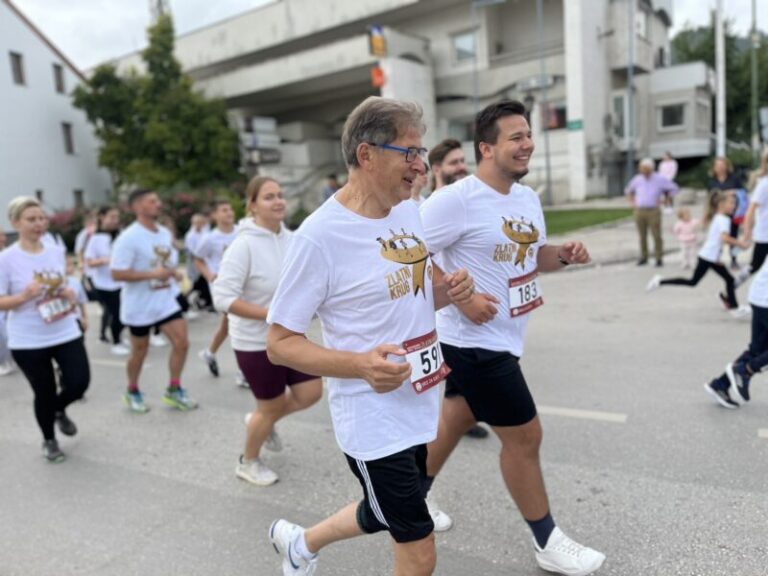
column 47, row 147
column 304, row 65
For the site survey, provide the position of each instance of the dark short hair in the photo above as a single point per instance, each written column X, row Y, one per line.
column 138, row 194
column 440, row 151
column 221, row 202
column 486, row 126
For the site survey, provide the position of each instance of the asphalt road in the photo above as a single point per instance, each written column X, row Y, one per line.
column 639, row 462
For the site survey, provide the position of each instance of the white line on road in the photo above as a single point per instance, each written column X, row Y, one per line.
column 762, row 432
column 583, row 414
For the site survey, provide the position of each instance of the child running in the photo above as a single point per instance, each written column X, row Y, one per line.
column 685, row 230
column 721, row 204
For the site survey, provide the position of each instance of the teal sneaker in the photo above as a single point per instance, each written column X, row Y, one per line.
column 177, row 398
column 135, row 402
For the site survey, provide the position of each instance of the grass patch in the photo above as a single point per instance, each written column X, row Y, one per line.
column 562, row 221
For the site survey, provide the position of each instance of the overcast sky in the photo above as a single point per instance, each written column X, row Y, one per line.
column 92, row 31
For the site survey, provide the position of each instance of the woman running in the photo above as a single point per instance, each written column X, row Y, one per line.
column 246, row 282
column 721, row 204
column 97, row 255
column 42, row 323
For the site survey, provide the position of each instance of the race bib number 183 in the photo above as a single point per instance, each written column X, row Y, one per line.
column 524, row 294
column 426, row 360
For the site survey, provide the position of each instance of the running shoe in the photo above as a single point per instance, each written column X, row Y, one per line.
column 135, row 401
column 741, row 312
column 52, row 452
column 564, row 556
column 255, row 472
column 240, row 380
column 66, row 426
column 476, row 431
column 177, row 398
column 724, row 301
column 739, row 379
column 120, row 350
column 210, row 360
column 157, row 340
column 283, row 535
column 440, row 519
column 654, row 283
column 721, row 396
column 7, row 368
column 191, row 314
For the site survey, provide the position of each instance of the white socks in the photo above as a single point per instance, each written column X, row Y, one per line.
column 300, row 545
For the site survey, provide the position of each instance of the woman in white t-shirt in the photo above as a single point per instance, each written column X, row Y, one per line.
column 42, row 322
column 246, row 282
column 756, row 218
column 97, row 255
column 721, row 205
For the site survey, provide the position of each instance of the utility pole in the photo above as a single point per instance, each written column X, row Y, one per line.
column 631, row 8
column 753, row 57
column 720, row 75
column 543, row 104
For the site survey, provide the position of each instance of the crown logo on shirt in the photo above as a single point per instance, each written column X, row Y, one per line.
column 405, row 248
column 523, row 234
column 51, row 280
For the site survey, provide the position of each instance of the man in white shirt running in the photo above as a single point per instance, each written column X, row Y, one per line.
column 361, row 264
column 494, row 227
column 208, row 255
column 143, row 257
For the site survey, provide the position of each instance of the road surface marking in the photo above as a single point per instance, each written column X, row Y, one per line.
column 583, row 414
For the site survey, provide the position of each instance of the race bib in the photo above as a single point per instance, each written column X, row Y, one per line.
column 52, row 309
column 426, row 360
column 524, row 294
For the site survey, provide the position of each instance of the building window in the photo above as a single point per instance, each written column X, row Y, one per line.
column 69, row 143
column 464, row 46
column 17, row 68
column 641, row 23
column 619, row 117
column 671, row 116
column 79, row 200
column 58, row 78
column 554, row 116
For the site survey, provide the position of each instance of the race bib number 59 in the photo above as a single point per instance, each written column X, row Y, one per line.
column 426, row 360
column 524, row 294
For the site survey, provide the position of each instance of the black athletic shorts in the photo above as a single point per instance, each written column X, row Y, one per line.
column 492, row 384
column 141, row 331
column 393, row 497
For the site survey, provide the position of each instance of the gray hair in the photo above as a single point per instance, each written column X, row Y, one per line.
column 380, row 121
column 17, row 206
column 647, row 162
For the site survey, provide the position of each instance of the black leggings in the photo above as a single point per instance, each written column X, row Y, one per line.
column 701, row 268
column 759, row 252
column 110, row 302
column 37, row 366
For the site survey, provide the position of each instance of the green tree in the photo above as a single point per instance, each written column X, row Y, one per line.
column 156, row 130
column 693, row 44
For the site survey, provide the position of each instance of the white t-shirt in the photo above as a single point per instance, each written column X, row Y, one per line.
column 81, row 242
column 760, row 197
column 758, row 290
column 212, row 246
column 100, row 246
column 354, row 272
column 497, row 238
column 146, row 302
column 27, row 329
column 713, row 245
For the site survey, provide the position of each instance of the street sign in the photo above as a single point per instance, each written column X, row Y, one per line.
column 574, row 125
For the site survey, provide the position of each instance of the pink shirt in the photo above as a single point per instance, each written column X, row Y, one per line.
column 686, row 231
column 668, row 169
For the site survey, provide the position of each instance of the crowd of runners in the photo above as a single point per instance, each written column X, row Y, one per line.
column 424, row 305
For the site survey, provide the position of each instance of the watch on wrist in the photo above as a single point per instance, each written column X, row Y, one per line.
column 563, row 261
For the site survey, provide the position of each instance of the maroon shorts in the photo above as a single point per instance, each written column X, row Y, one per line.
column 266, row 380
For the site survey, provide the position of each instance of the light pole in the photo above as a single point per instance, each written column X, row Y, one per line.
column 720, row 74
column 544, row 104
column 632, row 8
column 753, row 56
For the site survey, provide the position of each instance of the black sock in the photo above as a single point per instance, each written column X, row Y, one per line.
column 426, row 485
column 542, row 529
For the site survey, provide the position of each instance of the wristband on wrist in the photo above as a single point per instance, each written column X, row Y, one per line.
column 562, row 260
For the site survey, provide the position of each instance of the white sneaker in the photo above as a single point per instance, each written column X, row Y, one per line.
column 191, row 314
column 7, row 368
column 741, row 312
column 440, row 519
column 564, row 556
column 255, row 472
column 157, row 340
column 120, row 350
column 283, row 535
column 240, row 380
column 273, row 443
column 654, row 283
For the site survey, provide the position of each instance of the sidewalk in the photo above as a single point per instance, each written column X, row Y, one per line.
column 616, row 242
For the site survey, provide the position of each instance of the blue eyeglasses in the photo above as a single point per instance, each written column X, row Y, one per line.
column 411, row 153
